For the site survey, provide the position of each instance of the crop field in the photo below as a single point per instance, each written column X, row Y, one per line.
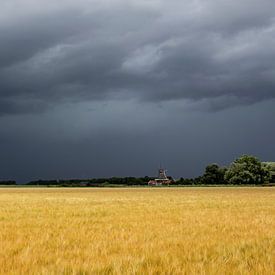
column 137, row 230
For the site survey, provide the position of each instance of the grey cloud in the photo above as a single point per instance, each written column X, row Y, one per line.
column 94, row 88
column 117, row 139
column 221, row 51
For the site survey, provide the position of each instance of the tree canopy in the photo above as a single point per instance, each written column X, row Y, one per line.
column 214, row 174
column 247, row 170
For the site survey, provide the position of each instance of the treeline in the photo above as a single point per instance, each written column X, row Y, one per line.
column 96, row 182
column 7, row 182
column 245, row 170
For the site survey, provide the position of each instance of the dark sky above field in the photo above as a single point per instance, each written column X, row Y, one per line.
column 95, row 88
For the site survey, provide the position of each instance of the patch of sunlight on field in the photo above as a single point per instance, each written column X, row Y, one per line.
column 137, row 231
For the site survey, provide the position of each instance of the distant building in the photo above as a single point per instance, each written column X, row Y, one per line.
column 162, row 179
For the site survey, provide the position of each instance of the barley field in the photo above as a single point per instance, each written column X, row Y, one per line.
column 137, row 231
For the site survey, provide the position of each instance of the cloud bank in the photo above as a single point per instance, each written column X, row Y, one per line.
column 219, row 52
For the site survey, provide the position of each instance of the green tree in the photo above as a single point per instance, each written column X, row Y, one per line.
column 214, row 174
column 247, row 170
column 267, row 171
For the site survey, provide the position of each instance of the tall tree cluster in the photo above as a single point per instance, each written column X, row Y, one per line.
column 244, row 170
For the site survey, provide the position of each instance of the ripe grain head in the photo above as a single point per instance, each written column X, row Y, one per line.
column 137, row 231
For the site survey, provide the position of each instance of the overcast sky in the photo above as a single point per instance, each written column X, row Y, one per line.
column 96, row 88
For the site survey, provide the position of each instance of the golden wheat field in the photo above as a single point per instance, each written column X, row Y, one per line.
column 137, row 231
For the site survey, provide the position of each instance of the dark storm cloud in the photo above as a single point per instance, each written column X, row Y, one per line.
column 150, row 50
column 94, row 88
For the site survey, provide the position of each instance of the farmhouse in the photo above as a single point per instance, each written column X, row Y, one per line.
column 162, row 179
